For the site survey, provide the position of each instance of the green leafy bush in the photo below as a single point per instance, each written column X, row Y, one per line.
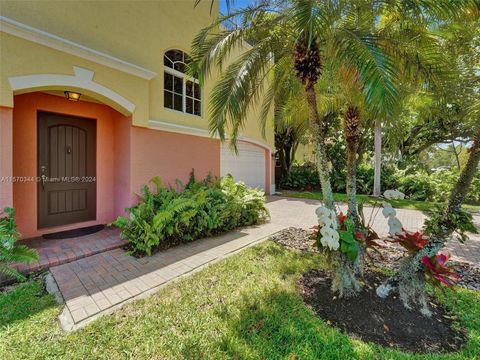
column 10, row 252
column 436, row 186
column 417, row 186
column 165, row 217
column 415, row 183
column 305, row 177
column 301, row 177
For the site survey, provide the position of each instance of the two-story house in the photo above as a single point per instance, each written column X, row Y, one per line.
column 94, row 102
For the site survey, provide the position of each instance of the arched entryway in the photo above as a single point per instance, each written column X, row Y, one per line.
column 80, row 148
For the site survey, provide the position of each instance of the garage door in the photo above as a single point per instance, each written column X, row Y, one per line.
column 247, row 166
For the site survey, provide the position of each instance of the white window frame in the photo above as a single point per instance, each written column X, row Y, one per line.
column 184, row 78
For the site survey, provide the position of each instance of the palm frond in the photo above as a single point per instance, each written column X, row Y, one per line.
column 213, row 45
column 377, row 71
column 238, row 88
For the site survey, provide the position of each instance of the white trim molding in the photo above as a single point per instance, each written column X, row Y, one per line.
column 190, row 130
column 41, row 37
column 82, row 80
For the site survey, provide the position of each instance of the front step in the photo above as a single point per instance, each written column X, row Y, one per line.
column 61, row 251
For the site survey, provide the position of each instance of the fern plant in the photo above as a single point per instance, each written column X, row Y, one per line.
column 10, row 252
column 203, row 208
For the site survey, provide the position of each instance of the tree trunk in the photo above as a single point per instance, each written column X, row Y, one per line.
column 351, row 124
column 410, row 278
column 377, row 187
column 292, row 155
column 321, row 154
column 456, row 155
column 466, row 177
column 344, row 281
column 283, row 163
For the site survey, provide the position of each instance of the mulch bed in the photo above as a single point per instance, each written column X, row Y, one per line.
column 383, row 321
column 387, row 257
column 470, row 275
column 295, row 238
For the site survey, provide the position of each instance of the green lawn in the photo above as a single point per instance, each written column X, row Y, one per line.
column 244, row 307
column 399, row 204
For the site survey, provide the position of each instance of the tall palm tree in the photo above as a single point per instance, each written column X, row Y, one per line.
column 314, row 30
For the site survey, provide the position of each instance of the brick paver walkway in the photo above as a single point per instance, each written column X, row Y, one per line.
column 101, row 283
column 61, row 251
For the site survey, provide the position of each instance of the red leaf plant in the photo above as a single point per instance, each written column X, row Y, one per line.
column 436, row 268
column 413, row 242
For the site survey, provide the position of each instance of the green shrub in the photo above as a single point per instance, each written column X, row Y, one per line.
column 415, row 183
column 305, row 177
column 417, row 186
column 10, row 252
column 301, row 177
column 165, row 216
column 437, row 186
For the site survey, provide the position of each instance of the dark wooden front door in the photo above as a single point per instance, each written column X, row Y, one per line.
column 67, row 169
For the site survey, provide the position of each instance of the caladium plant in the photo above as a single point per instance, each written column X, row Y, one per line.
column 436, row 268
column 412, row 241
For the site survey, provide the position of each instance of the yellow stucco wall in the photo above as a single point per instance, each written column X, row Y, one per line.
column 138, row 32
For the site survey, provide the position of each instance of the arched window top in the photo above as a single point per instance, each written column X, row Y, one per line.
column 181, row 92
column 176, row 59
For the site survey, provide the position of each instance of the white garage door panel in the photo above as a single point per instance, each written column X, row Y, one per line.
column 248, row 166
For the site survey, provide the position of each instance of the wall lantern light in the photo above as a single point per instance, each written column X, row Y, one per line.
column 72, row 96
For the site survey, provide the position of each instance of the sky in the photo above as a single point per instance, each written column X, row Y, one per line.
column 236, row 4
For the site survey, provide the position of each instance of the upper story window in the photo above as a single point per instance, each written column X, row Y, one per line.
column 181, row 93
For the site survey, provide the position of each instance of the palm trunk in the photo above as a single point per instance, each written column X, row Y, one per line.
column 321, row 154
column 377, row 187
column 344, row 281
column 351, row 128
column 410, row 279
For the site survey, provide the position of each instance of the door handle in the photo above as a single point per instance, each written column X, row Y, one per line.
column 43, row 177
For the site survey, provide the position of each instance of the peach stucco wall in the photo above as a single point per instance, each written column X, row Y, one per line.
column 127, row 157
column 171, row 156
column 25, row 156
column 6, row 157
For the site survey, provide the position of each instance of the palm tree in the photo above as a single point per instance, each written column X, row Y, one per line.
column 314, row 31
column 351, row 125
column 377, row 177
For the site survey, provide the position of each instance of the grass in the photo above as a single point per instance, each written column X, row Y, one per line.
column 244, row 307
column 399, row 204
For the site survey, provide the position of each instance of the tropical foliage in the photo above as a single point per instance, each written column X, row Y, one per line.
column 414, row 182
column 10, row 252
column 368, row 48
column 164, row 216
column 437, row 268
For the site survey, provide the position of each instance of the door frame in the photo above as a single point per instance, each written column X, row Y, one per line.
column 93, row 210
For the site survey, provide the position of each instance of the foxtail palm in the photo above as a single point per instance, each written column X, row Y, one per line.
column 314, row 30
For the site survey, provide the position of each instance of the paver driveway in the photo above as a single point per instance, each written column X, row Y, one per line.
column 102, row 283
